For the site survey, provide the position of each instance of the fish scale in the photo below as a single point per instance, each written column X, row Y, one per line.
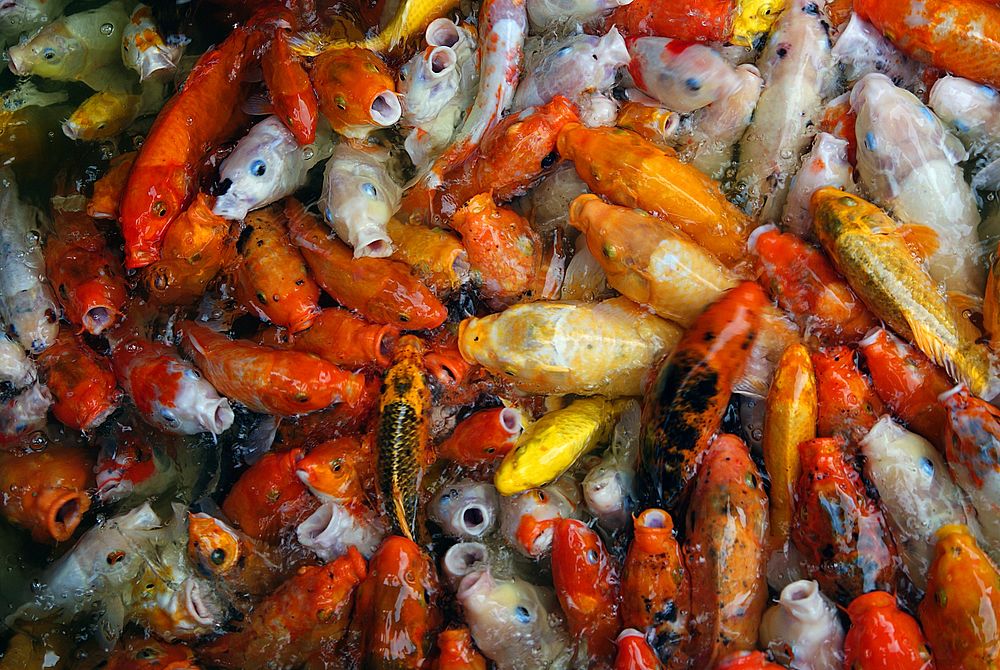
column 402, row 434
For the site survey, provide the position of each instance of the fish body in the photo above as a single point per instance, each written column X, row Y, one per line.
column 107, row 114
column 960, row 611
column 883, row 637
column 196, row 247
column 26, row 301
column 45, row 492
column 82, row 47
column 267, row 165
column 356, row 92
column 805, row 283
column 971, row 111
column 272, row 279
column 848, row 405
column 907, row 161
column 103, row 204
column 571, row 68
column 866, row 248
column 291, row 91
column 861, row 49
column 163, row 178
column 683, row 76
column 266, row 380
column 84, row 273
column 269, row 497
column 726, row 553
column 26, row 17
column 512, row 622
column 359, row 197
column 826, row 164
column 632, row 172
column 797, row 69
column 143, row 48
column 840, row 531
column 916, row 491
column 380, row 289
column 402, row 433
column 434, row 255
column 803, row 630
column 82, row 384
column 339, row 337
column 650, row 261
column 167, row 390
column 683, row 407
column 396, row 611
column 586, row 582
column 908, row 383
column 691, row 20
column 958, row 37
column 550, row 446
column 303, row 616
column 789, row 419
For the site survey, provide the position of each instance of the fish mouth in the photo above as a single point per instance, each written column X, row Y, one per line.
column 385, row 109
column 229, row 206
column 465, row 558
column 511, row 420
column 475, row 583
column 70, row 129
column 97, row 319
column 13, row 54
column 65, row 511
column 196, row 605
column 441, row 60
column 442, row 33
column 217, row 417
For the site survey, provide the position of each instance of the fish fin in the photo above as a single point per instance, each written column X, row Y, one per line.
column 930, row 344
column 922, row 241
column 258, row 104
column 312, row 43
column 112, row 622
column 988, row 179
column 399, row 511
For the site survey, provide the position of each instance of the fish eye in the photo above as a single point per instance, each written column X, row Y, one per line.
column 592, row 556
column 146, row 653
column 336, row 464
column 114, row 557
column 328, row 214
column 159, row 208
column 258, row 168
column 48, row 53
column 169, row 417
column 549, row 160
column 218, row 556
column 522, row 614
column 369, row 189
column 927, row 466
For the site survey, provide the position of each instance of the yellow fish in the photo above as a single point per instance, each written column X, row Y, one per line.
column 411, row 19
column 754, row 20
column 867, row 248
column 548, row 447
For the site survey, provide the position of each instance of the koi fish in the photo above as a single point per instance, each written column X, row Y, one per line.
column 882, row 636
column 143, row 48
column 292, row 95
column 483, row 437
column 689, row 20
column 107, row 114
column 683, row 76
column 466, row 509
column 402, row 433
column 24, row 412
column 341, row 338
column 528, row 519
column 826, row 164
column 609, row 486
column 848, row 405
column 45, row 491
column 861, row 49
column 437, row 257
column 83, row 386
column 357, row 95
column 457, row 651
column 684, row 405
column 802, row 629
column 103, row 204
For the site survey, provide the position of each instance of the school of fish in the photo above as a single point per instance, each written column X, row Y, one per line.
column 512, row 334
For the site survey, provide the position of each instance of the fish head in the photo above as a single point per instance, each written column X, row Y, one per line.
column 254, row 175
column 329, row 470
column 427, row 83
column 123, row 465
column 194, row 407
column 405, row 584
column 102, row 115
column 359, row 197
column 528, row 519
column 55, row 53
column 140, row 653
column 466, row 509
column 179, row 611
column 580, row 559
column 509, row 620
column 212, row 545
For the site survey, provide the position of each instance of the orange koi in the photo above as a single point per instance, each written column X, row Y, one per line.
column 338, row 469
column 483, row 437
column 630, row 171
column 82, row 384
column 908, row 383
column 382, row 290
column 233, row 557
column 684, row 406
column 806, row 284
column 656, row 591
column 307, row 615
column 960, row 36
column 396, row 616
column 84, row 273
column 504, row 250
column 847, row 403
column 269, row 498
column 960, row 611
column 840, row 530
column 357, row 94
column 46, row 491
column 196, row 247
column 839, row 119
column 883, row 637
column 457, row 651
column 726, row 553
column 163, row 178
column 137, row 653
column 266, row 380
column 103, row 204
column 634, row 653
column 340, row 337
column 691, row 20
column 292, row 94
column 586, row 582
column 272, row 279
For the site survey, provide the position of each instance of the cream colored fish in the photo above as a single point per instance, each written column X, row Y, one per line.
column 570, row 347
column 410, row 21
column 548, row 447
column 867, row 248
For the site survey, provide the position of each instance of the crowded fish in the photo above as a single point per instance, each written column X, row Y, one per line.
column 513, row 334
